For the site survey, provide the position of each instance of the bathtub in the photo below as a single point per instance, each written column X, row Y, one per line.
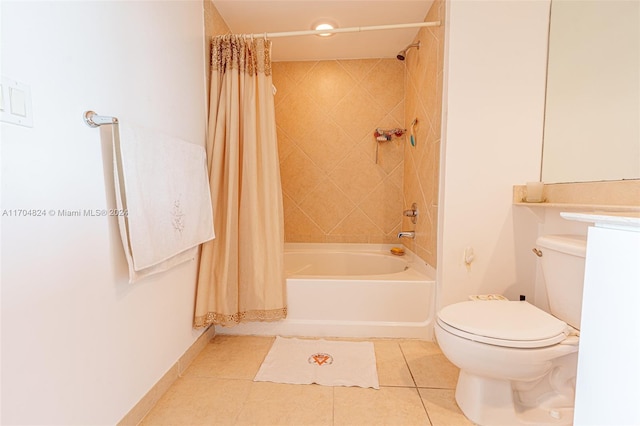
column 352, row 290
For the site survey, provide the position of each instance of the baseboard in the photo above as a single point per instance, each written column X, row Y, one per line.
column 147, row 402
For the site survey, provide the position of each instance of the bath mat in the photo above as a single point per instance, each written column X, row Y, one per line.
column 327, row 363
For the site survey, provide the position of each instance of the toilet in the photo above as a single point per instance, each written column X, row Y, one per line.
column 517, row 362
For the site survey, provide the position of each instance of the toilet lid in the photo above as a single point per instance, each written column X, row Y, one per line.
column 503, row 323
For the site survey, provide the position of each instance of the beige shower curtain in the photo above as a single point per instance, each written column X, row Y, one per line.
column 241, row 275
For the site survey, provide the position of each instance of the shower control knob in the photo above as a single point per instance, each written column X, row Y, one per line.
column 412, row 213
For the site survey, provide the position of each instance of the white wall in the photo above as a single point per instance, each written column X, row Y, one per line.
column 493, row 116
column 79, row 344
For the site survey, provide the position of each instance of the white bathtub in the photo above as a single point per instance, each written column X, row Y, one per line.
column 352, row 290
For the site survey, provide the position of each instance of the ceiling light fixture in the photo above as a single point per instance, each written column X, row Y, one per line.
column 324, row 26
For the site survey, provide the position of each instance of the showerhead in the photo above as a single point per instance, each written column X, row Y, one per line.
column 403, row 53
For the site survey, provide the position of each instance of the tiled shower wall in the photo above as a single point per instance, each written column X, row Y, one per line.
column 423, row 101
column 326, row 114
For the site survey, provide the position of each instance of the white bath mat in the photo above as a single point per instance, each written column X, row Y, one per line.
column 328, row 363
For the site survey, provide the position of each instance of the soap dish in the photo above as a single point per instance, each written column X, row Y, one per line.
column 398, row 251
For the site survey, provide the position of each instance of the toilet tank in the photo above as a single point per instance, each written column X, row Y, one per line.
column 563, row 259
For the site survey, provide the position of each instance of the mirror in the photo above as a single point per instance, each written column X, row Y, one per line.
column 592, row 113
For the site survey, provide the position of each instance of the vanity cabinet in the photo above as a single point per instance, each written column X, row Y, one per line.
column 608, row 379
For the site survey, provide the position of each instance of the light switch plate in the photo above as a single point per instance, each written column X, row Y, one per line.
column 16, row 103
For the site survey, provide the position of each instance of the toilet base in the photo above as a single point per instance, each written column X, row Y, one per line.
column 492, row 402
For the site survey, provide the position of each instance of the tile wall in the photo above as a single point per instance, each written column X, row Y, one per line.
column 326, row 115
column 423, row 101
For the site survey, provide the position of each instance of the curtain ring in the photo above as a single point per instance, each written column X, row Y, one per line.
column 265, row 36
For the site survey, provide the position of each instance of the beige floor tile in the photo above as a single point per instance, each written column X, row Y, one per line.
column 200, row 401
column 392, row 369
column 282, row 404
column 442, row 408
column 386, row 406
column 428, row 365
column 231, row 357
column 217, row 389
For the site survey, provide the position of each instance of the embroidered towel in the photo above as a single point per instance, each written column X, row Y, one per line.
column 162, row 184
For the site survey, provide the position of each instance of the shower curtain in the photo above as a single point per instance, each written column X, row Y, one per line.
column 241, row 274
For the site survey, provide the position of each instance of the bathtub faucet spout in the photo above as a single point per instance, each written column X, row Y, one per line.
column 407, row 234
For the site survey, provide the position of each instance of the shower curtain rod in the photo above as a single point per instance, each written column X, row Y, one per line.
column 348, row 30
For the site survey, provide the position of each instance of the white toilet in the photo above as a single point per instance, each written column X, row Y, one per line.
column 517, row 362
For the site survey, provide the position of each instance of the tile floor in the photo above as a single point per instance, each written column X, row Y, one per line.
column 416, row 388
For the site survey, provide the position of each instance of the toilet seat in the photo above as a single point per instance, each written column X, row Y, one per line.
column 503, row 323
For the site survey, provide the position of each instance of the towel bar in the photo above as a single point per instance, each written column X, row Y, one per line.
column 94, row 120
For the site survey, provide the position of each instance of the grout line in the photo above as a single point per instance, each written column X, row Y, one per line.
column 415, row 385
column 399, row 386
column 424, row 407
column 436, row 388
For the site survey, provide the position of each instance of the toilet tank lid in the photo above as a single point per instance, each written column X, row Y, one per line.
column 570, row 244
column 504, row 320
